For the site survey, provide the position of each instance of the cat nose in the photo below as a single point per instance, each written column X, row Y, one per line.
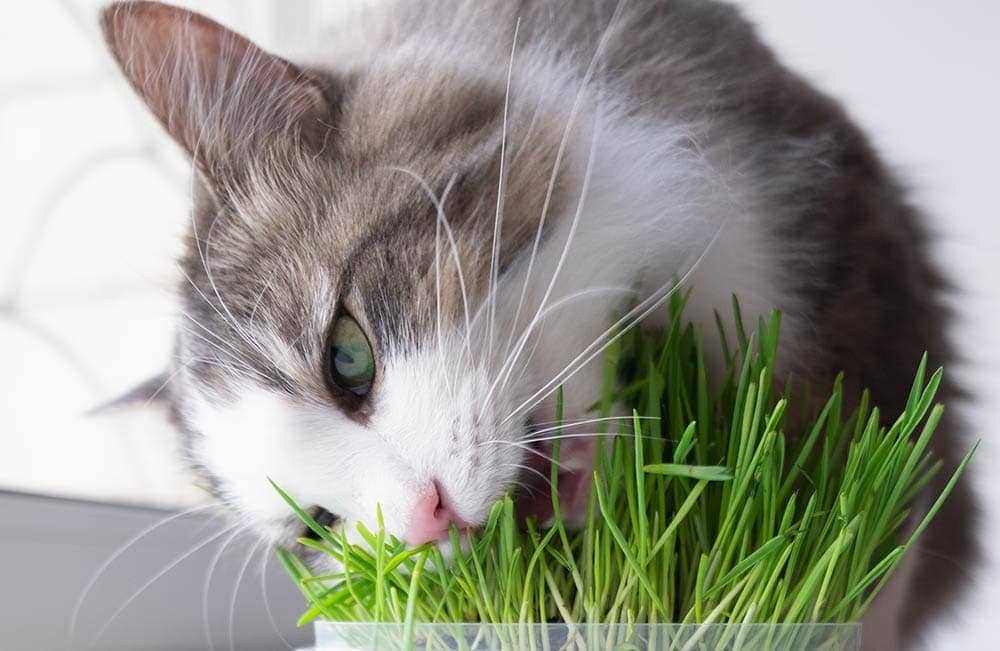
column 432, row 518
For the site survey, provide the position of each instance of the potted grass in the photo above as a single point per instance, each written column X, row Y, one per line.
column 707, row 527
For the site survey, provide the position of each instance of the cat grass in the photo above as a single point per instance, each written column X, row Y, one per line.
column 711, row 505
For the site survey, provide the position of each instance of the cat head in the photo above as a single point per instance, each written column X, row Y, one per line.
column 356, row 321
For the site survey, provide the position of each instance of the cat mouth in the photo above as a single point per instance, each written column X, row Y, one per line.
column 323, row 518
column 573, row 473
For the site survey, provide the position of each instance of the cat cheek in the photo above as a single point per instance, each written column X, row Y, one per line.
column 261, row 435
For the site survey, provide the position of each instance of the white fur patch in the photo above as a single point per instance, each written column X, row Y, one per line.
column 420, row 433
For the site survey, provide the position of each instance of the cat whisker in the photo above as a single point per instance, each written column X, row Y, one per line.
column 572, row 423
column 951, row 560
column 526, row 363
column 581, row 435
column 206, row 254
column 266, row 598
column 207, row 586
column 233, row 353
column 505, row 371
column 224, row 319
column 219, row 338
column 230, row 359
column 229, row 321
column 229, row 369
column 260, row 297
column 557, row 163
column 524, row 446
column 247, row 336
column 519, row 485
column 232, row 367
column 443, row 219
column 616, row 330
column 145, row 586
column 118, row 553
column 163, row 385
column 437, row 298
column 236, row 592
column 529, row 469
column 572, row 228
column 203, row 255
column 498, row 216
column 540, row 320
column 589, row 421
column 587, row 176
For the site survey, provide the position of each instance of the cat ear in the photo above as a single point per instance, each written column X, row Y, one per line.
column 222, row 98
column 150, row 392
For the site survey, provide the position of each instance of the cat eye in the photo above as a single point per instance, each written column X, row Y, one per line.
column 351, row 362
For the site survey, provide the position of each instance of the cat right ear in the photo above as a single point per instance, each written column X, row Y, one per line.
column 223, row 99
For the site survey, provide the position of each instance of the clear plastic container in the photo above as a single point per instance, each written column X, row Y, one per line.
column 344, row 636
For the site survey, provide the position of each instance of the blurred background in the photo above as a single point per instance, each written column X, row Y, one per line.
column 95, row 199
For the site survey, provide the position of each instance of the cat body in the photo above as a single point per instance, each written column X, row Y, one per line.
column 479, row 188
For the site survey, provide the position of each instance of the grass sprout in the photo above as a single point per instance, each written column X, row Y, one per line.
column 711, row 505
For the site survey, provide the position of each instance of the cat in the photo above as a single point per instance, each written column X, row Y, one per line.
column 402, row 244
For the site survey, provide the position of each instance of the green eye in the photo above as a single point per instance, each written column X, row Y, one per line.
column 352, row 364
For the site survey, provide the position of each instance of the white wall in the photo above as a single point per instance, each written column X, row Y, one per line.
column 94, row 203
column 923, row 78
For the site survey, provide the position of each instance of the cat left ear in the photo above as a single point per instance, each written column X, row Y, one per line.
column 150, row 392
column 219, row 96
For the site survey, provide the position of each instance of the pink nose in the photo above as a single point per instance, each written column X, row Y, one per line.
column 432, row 517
